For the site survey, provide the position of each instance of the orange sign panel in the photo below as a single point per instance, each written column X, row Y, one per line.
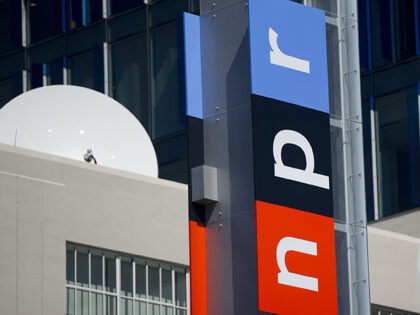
column 296, row 261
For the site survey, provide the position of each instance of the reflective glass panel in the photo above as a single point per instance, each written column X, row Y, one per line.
column 393, row 154
column 96, row 271
column 167, row 310
column 45, row 19
column 168, row 113
column 180, row 288
column 70, row 302
column 166, row 285
column 405, row 35
column 165, row 11
column 87, row 69
column 110, row 274
column 83, row 12
column 140, row 280
column 82, row 269
column 12, row 64
column 97, row 304
column 55, row 72
column 86, row 39
column 126, row 307
column 381, row 32
column 141, row 308
column 70, row 266
column 10, row 25
column 118, row 6
column 127, row 24
column 129, row 76
column 82, row 302
column 110, row 305
column 154, row 309
column 153, row 283
column 10, row 88
column 126, row 277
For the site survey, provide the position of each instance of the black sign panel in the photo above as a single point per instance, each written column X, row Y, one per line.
column 292, row 156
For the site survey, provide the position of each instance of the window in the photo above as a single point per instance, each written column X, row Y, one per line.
column 10, row 25
column 118, row 6
column 382, row 310
column 100, row 282
column 45, row 19
column 129, row 76
column 168, row 114
column 393, row 154
column 83, row 12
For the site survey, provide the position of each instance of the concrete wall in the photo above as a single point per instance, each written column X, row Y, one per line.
column 46, row 201
column 394, row 263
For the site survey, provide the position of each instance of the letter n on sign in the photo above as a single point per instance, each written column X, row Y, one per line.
column 296, row 261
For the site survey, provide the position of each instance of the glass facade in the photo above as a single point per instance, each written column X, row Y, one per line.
column 105, row 283
column 389, row 50
column 382, row 310
column 127, row 49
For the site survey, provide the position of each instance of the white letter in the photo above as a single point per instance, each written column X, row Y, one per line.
column 293, row 279
column 306, row 176
column 279, row 58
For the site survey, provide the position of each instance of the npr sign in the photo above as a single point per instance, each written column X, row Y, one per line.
column 292, row 159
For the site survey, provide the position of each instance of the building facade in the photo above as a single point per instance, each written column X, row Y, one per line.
column 131, row 50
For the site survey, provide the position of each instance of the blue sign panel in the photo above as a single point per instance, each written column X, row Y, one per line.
column 288, row 53
column 192, row 60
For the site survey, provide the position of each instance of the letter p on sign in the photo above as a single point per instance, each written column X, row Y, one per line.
column 296, row 261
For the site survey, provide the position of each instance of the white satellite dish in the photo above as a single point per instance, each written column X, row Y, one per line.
column 68, row 120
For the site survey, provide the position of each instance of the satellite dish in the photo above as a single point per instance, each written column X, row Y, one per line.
column 68, row 120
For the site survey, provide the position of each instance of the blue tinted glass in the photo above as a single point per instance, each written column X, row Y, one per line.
column 195, row 6
column 401, row 75
column 55, row 72
column 129, row 84
column 50, row 54
column 168, row 112
column 176, row 171
column 393, row 154
column 127, row 24
column 10, row 25
column 405, row 35
column 363, row 35
column 381, row 32
column 414, row 141
column 118, row 6
column 87, row 69
column 10, row 88
column 165, row 11
column 367, row 146
column 12, row 64
column 172, row 158
column 35, row 76
column 83, row 12
column 86, row 38
column 45, row 19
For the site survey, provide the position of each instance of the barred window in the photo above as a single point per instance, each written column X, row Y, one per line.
column 105, row 283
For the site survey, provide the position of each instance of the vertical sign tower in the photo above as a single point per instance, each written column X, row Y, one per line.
column 292, row 159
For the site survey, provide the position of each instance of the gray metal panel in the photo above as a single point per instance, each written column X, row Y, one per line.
column 231, row 240
column 204, row 184
column 228, row 146
column 225, row 59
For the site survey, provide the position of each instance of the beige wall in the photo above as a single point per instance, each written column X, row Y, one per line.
column 46, row 201
column 394, row 268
